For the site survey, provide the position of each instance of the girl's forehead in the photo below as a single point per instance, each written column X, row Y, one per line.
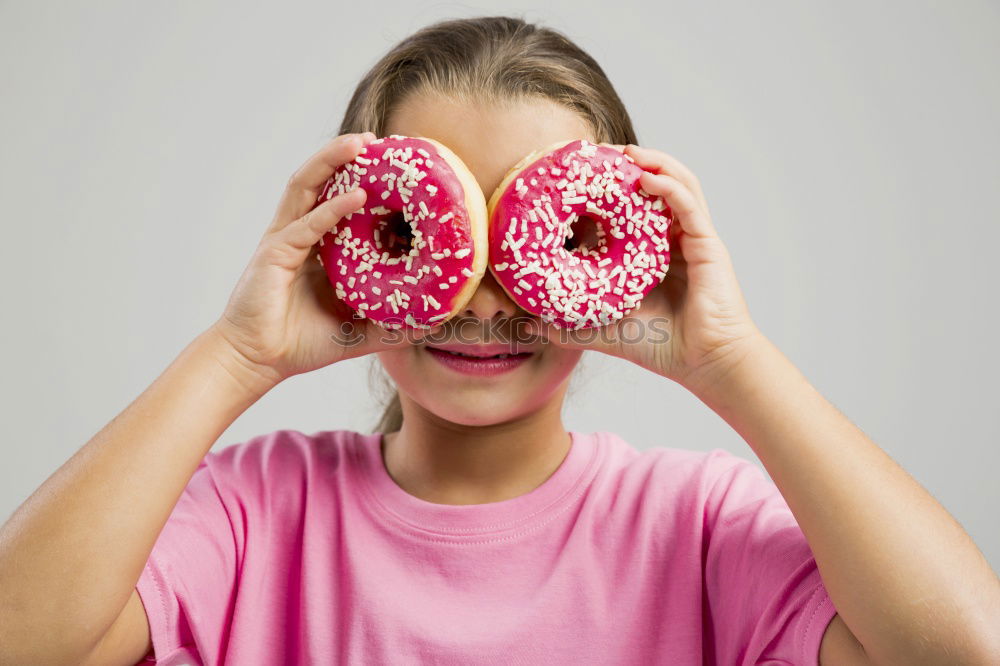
column 489, row 137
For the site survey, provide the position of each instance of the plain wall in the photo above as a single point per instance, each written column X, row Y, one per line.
column 848, row 152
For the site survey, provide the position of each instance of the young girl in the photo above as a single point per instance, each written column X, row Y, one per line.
column 473, row 527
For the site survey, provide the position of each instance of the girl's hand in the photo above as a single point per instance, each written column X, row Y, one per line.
column 283, row 317
column 698, row 305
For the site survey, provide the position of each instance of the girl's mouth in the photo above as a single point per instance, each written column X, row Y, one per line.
column 478, row 363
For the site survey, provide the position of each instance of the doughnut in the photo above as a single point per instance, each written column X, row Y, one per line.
column 622, row 244
column 415, row 253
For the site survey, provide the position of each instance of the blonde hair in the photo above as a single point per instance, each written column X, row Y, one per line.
column 489, row 58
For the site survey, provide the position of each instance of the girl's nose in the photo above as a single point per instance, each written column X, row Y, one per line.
column 490, row 301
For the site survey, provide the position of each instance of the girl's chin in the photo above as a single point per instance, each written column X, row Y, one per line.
column 468, row 409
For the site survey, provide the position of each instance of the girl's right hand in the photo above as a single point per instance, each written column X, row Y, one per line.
column 283, row 317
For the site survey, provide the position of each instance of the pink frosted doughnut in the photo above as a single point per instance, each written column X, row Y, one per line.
column 532, row 216
column 415, row 253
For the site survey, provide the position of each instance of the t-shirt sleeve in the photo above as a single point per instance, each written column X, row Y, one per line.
column 767, row 602
column 188, row 584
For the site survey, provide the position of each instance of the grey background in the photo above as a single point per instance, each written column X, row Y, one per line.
column 848, row 151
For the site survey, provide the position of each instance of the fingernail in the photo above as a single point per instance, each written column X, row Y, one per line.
column 369, row 136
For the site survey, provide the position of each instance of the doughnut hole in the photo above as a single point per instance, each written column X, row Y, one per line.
column 583, row 236
column 396, row 235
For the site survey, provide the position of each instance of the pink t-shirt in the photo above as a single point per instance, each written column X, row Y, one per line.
column 300, row 549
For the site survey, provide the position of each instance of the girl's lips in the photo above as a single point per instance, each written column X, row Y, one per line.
column 473, row 365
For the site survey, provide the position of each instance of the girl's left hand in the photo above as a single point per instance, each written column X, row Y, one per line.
column 694, row 325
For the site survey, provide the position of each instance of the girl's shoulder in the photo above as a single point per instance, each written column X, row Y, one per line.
column 279, row 460
column 281, row 449
column 668, row 471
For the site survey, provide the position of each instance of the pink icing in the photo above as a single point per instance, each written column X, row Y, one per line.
column 401, row 175
column 580, row 287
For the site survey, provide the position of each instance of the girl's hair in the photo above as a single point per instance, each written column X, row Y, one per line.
column 490, row 59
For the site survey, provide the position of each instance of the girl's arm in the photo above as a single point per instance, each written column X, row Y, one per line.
column 904, row 576
column 906, row 580
column 71, row 554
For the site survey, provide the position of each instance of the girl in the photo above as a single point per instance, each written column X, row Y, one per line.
column 472, row 527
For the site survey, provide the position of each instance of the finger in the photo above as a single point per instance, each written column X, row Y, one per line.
column 298, row 238
column 305, row 185
column 688, row 212
column 659, row 162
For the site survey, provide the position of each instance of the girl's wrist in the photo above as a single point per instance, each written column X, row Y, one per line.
column 727, row 368
column 253, row 378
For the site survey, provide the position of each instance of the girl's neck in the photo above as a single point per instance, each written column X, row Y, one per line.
column 448, row 463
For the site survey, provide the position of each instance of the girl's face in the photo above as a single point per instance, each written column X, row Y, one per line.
column 490, row 139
